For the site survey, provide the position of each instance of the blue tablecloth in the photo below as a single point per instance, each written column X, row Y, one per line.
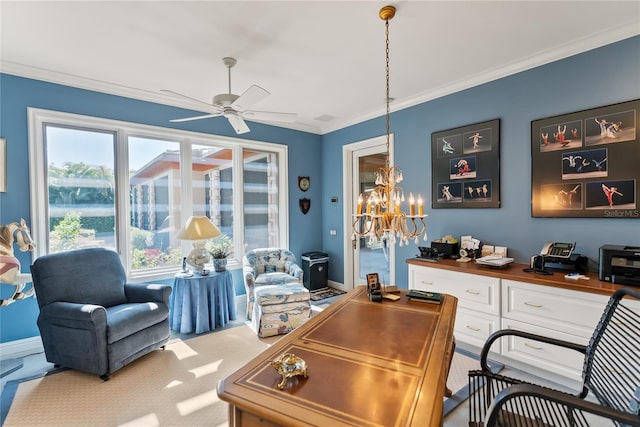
column 200, row 303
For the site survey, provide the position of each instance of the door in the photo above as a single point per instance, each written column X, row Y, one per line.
column 364, row 255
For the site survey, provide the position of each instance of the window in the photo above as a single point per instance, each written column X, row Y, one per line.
column 80, row 185
column 131, row 187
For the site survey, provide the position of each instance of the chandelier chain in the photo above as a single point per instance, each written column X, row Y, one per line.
column 387, row 99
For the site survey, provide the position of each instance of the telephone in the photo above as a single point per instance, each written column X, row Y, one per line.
column 558, row 250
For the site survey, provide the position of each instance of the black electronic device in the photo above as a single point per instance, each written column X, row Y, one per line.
column 429, row 253
column 619, row 264
column 558, row 256
column 558, row 250
column 446, row 250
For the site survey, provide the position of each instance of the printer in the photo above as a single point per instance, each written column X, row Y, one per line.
column 620, row 264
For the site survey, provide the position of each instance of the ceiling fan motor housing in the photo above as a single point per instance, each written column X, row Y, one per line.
column 225, row 99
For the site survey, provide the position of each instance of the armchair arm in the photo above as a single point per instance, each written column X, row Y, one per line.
column 76, row 316
column 296, row 271
column 505, row 332
column 516, row 396
column 147, row 292
column 249, row 277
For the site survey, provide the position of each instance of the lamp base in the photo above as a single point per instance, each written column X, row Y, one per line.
column 198, row 257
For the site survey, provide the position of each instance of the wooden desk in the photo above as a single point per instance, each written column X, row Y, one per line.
column 369, row 364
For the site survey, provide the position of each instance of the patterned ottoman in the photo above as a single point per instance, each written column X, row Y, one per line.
column 279, row 309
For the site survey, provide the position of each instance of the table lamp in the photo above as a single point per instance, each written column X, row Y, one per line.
column 198, row 229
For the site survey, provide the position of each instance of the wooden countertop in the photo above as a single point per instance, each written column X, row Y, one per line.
column 369, row 364
column 514, row 272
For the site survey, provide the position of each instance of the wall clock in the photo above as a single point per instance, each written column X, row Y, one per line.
column 304, row 183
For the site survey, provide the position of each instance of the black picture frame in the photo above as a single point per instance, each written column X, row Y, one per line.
column 585, row 164
column 465, row 166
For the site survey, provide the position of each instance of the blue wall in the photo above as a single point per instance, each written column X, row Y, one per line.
column 596, row 78
column 600, row 77
column 18, row 320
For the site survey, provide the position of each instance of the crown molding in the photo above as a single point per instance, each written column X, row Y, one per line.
column 80, row 82
column 544, row 57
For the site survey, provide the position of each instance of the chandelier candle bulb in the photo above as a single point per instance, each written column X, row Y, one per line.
column 412, row 205
column 360, row 200
column 420, row 206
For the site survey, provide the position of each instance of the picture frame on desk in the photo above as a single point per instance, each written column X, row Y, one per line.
column 465, row 166
column 584, row 164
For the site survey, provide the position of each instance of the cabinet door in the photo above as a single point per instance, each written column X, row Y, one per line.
column 558, row 360
column 563, row 310
column 473, row 291
column 474, row 327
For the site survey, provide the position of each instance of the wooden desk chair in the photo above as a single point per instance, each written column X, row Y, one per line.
column 610, row 374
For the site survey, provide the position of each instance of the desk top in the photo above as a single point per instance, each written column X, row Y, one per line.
column 369, row 364
column 514, row 272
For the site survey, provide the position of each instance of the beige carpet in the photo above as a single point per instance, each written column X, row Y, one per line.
column 175, row 387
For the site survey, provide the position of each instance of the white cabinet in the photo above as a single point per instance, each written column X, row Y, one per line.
column 489, row 302
column 478, row 299
column 553, row 312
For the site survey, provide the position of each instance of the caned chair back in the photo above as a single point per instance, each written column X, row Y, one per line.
column 612, row 363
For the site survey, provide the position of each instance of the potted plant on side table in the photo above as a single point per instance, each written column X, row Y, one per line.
column 220, row 248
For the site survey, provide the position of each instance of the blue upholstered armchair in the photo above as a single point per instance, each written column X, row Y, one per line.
column 90, row 318
column 268, row 266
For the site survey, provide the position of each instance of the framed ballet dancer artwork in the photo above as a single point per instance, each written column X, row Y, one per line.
column 586, row 164
column 465, row 166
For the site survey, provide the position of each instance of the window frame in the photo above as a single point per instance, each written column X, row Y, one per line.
column 38, row 118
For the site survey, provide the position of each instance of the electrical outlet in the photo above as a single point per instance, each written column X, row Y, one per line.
column 333, row 232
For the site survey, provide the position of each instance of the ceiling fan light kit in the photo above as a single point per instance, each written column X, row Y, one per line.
column 234, row 107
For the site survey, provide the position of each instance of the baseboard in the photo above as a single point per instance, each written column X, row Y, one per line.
column 337, row 285
column 21, row 348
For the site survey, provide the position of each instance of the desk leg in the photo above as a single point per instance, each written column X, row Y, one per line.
column 447, row 390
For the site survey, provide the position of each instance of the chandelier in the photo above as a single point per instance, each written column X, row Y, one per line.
column 381, row 215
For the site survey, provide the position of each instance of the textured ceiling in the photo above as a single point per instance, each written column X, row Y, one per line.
column 320, row 59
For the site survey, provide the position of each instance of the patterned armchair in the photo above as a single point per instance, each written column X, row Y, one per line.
column 268, row 266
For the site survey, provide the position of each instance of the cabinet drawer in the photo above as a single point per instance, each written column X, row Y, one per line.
column 558, row 360
column 573, row 312
column 473, row 291
column 473, row 327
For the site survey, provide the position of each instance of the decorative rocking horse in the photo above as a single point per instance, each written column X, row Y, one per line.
column 17, row 233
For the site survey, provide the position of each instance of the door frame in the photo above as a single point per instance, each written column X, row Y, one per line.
column 350, row 193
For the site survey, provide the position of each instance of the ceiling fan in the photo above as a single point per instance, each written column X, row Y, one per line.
column 236, row 108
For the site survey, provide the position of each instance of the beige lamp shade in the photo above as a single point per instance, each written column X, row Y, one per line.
column 198, row 228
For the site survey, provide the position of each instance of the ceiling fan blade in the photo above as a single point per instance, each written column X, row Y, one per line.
column 238, row 124
column 269, row 116
column 249, row 97
column 170, row 92
column 188, row 119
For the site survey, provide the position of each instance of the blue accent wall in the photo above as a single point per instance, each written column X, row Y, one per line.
column 603, row 76
column 599, row 77
column 18, row 320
